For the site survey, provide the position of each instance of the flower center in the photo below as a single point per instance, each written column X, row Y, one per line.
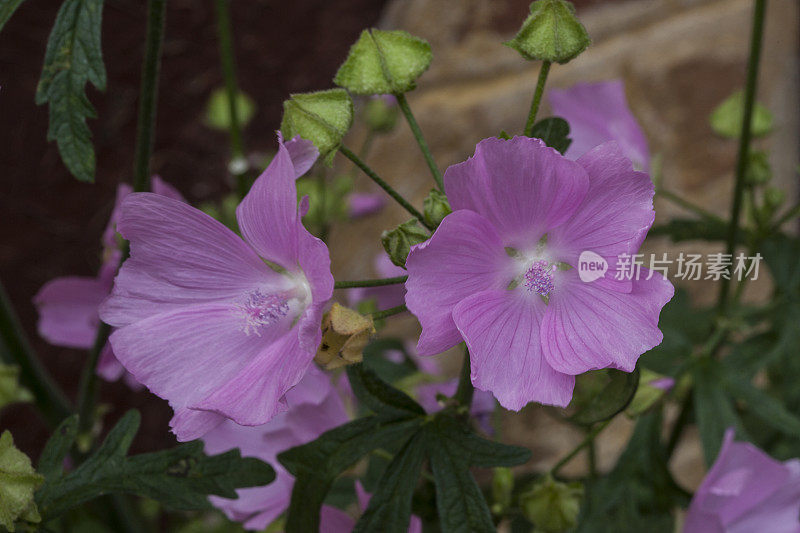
column 263, row 309
column 539, row 278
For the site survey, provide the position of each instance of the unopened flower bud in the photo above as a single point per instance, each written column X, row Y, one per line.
column 652, row 388
column 551, row 32
column 18, row 481
column 435, row 208
column 380, row 113
column 218, row 110
column 726, row 119
column 384, row 62
column 774, row 198
column 758, row 170
column 502, row 487
column 10, row 389
column 321, row 117
column 345, row 333
column 552, row 506
column 398, row 242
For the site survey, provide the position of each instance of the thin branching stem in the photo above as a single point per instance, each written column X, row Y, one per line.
column 369, row 282
column 423, row 145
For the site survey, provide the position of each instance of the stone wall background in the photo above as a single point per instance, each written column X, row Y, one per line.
column 678, row 58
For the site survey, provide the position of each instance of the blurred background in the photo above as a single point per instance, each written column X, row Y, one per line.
column 679, row 59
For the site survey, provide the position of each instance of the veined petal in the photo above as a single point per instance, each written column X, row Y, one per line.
column 465, row 255
column 523, row 187
column 179, row 256
column 255, row 394
column 501, row 329
column 598, row 113
column 615, row 215
column 68, row 310
column 302, row 152
column 268, row 216
column 186, row 355
column 587, row 326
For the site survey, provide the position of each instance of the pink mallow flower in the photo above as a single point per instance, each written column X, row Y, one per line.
column 362, row 204
column 598, row 113
column 68, row 307
column 314, row 408
column 218, row 326
column 501, row 271
column 746, row 491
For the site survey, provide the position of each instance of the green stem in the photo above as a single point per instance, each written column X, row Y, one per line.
column 790, row 214
column 378, row 315
column 148, row 99
column 689, row 206
column 16, row 349
column 537, row 97
column 383, row 185
column 369, row 282
column 595, row 431
column 228, row 62
column 148, row 94
column 426, row 152
column 680, row 424
column 744, row 141
column 465, row 389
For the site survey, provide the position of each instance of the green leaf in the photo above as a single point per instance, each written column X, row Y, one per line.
column 460, row 440
column 765, row 406
column 18, row 480
column 714, row 409
column 10, row 389
column 7, row 8
column 322, row 117
column 51, row 461
column 179, row 478
column 554, row 131
column 73, row 58
column 315, row 465
column 606, row 400
column 459, row 501
column 218, row 110
column 551, row 32
column 726, row 119
column 384, row 62
column 781, row 254
column 378, row 395
column 389, row 509
column 639, row 494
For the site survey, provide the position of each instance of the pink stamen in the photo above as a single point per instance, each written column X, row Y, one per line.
column 539, row 278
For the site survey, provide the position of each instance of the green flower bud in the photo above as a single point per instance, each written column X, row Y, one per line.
column 435, row 208
column 726, row 119
column 773, row 198
column 551, row 32
column 18, row 481
column 650, row 391
column 552, row 506
column 384, row 62
column 758, row 170
column 322, row 117
column 218, row 110
column 502, row 487
column 398, row 242
column 380, row 113
column 10, row 389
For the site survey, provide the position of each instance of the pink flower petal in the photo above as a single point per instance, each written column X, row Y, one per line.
column 268, row 216
column 361, row 204
column 598, row 113
column 68, row 310
column 613, row 218
column 464, row 255
column 587, row 327
column 524, row 188
column 302, row 152
column 188, row 354
column 501, row 330
column 179, row 256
